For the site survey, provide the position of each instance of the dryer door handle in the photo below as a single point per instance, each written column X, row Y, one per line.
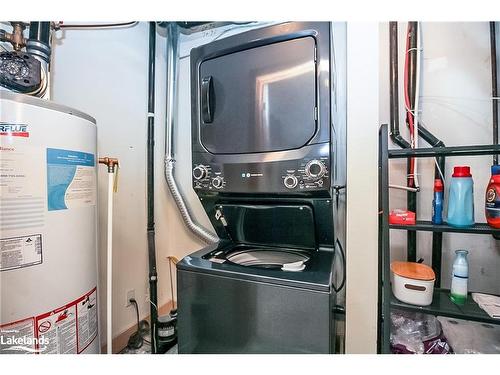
column 207, row 100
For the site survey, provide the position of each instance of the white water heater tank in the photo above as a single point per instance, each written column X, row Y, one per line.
column 48, row 228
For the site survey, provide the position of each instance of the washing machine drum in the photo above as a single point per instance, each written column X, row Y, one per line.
column 288, row 260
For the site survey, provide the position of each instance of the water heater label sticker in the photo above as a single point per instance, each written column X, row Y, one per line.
column 86, row 310
column 70, row 328
column 71, row 179
column 19, row 252
column 22, row 187
column 18, row 337
column 58, row 330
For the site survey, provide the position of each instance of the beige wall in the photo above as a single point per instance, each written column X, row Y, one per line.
column 362, row 177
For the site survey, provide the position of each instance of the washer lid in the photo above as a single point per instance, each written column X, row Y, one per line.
column 280, row 225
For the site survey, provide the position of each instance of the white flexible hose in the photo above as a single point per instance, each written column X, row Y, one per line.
column 109, row 264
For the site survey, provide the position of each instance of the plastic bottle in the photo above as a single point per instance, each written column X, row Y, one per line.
column 461, row 198
column 460, row 277
column 492, row 198
column 437, row 202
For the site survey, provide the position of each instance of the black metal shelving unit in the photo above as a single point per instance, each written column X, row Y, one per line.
column 441, row 303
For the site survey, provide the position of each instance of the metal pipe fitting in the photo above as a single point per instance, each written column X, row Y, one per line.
column 16, row 38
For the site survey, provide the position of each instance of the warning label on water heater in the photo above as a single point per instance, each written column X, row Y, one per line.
column 18, row 252
column 70, row 328
column 71, row 179
column 67, row 329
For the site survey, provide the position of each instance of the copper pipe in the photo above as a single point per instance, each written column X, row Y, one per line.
column 111, row 163
column 16, row 38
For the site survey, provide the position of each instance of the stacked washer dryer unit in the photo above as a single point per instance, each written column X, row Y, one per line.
column 262, row 159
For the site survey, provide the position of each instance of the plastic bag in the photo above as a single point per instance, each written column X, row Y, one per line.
column 471, row 337
column 418, row 333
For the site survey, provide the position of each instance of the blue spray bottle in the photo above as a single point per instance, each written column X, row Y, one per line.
column 437, row 202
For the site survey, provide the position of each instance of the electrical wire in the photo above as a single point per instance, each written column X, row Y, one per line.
column 459, row 97
column 151, row 302
column 172, row 260
column 134, row 302
column 416, row 114
column 409, row 111
column 435, row 158
column 400, row 187
column 439, row 169
column 342, row 283
column 61, row 25
column 135, row 340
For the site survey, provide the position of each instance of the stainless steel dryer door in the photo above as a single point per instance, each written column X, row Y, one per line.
column 259, row 100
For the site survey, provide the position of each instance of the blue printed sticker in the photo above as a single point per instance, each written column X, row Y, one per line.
column 71, row 180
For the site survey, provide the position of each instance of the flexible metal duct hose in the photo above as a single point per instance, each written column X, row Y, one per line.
column 198, row 230
column 172, row 61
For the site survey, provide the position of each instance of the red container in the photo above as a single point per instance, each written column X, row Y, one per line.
column 492, row 198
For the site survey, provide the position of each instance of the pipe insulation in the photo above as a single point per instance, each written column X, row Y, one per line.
column 172, row 86
column 109, row 266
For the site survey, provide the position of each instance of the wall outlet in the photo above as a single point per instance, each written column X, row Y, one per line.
column 130, row 295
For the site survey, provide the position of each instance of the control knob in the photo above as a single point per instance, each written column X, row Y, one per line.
column 290, row 181
column 200, row 172
column 315, row 169
column 217, row 182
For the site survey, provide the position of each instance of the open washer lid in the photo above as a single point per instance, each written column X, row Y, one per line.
column 282, row 227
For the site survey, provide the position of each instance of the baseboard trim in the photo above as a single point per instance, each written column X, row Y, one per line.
column 120, row 341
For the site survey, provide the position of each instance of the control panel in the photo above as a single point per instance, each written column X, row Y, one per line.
column 204, row 177
column 309, row 173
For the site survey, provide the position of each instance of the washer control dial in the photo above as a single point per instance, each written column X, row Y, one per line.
column 200, row 172
column 290, row 181
column 218, row 182
column 315, row 169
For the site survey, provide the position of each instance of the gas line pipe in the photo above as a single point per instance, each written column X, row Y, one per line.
column 112, row 164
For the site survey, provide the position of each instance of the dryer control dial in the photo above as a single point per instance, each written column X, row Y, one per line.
column 315, row 169
column 200, row 172
column 290, row 181
column 217, row 182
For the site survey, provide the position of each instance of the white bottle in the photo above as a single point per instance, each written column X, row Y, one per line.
column 460, row 277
